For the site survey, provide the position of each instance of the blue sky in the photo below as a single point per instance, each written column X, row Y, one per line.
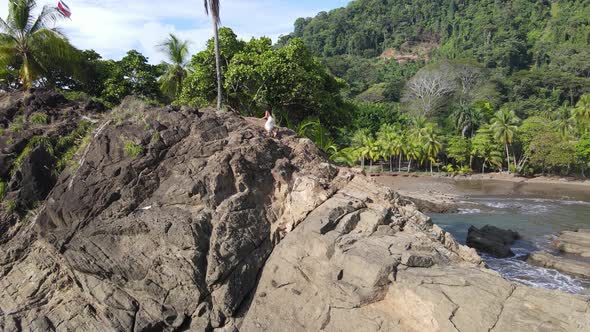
column 112, row 27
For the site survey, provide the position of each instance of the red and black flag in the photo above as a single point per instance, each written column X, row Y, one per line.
column 64, row 9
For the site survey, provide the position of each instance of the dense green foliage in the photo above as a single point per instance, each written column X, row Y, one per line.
column 479, row 77
column 258, row 77
column 451, row 85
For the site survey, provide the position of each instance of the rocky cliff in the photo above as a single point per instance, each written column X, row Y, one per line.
column 183, row 220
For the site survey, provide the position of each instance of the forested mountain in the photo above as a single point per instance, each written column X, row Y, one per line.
column 500, row 34
column 451, row 82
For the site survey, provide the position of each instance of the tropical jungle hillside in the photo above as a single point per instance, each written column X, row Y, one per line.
column 450, row 86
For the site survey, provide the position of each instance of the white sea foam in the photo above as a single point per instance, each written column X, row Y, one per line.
column 469, row 211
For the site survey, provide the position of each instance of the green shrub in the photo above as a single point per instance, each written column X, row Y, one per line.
column 69, row 146
column 1, row 131
column 78, row 96
column 9, row 207
column 130, row 108
column 16, row 127
column 3, row 190
column 133, row 150
column 39, row 119
column 34, row 142
column 155, row 137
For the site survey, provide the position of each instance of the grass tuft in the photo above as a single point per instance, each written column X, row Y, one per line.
column 39, row 119
column 133, row 150
column 3, row 190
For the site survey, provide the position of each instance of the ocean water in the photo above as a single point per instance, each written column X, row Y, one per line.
column 538, row 220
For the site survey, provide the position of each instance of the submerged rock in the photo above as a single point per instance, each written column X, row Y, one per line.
column 492, row 240
column 566, row 265
column 185, row 220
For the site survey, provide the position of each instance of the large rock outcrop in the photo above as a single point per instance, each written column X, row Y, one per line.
column 492, row 240
column 177, row 220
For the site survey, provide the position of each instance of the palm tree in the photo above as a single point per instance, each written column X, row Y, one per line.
column 32, row 45
column 359, row 141
column 432, row 145
column 177, row 52
column 413, row 149
column 212, row 7
column 468, row 119
column 582, row 112
column 564, row 121
column 400, row 148
column 387, row 137
column 315, row 131
column 347, row 156
column 504, row 127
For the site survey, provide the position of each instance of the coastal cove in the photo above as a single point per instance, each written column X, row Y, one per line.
column 537, row 209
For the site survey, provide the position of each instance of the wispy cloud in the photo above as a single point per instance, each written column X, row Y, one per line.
column 112, row 27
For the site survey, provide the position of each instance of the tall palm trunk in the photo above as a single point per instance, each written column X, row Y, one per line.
column 399, row 168
column 431, row 167
column 410, row 165
column 508, row 158
column 217, row 64
column 390, row 163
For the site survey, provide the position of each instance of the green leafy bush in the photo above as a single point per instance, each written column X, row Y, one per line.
column 3, row 190
column 16, row 127
column 39, row 119
column 10, row 207
column 133, row 150
column 33, row 143
column 69, row 146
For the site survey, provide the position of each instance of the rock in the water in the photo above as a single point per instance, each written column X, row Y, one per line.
column 577, row 243
column 492, row 240
column 566, row 265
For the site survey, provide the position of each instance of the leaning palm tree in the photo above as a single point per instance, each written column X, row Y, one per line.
column 504, row 127
column 432, row 145
column 32, row 45
column 212, row 7
column 468, row 119
column 177, row 52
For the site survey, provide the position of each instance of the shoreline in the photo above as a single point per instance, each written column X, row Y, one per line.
column 490, row 176
column 447, row 194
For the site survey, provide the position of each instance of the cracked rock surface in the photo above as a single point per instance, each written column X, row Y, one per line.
column 217, row 227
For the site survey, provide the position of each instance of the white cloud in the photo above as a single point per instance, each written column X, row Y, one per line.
column 112, row 27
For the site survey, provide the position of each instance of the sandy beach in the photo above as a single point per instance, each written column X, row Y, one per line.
column 435, row 193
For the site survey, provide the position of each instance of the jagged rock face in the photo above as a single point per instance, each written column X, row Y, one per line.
column 175, row 237
column 32, row 179
column 178, row 220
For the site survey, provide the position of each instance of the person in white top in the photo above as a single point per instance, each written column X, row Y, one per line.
column 270, row 124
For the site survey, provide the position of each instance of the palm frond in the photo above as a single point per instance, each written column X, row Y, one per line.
column 212, row 7
column 19, row 14
column 6, row 28
column 46, row 18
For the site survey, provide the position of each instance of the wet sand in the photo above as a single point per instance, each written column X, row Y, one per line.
column 433, row 187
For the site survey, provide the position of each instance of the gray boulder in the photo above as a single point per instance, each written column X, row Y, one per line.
column 492, row 240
